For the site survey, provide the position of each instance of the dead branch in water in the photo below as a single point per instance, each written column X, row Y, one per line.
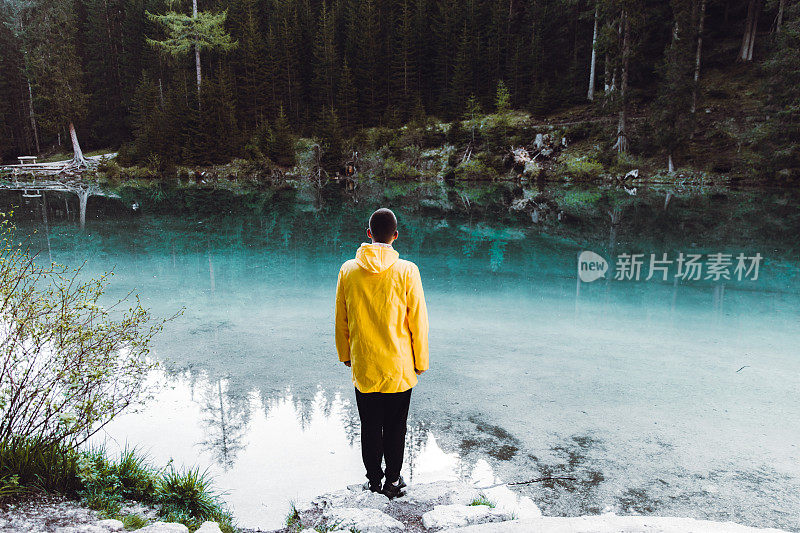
column 537, row 480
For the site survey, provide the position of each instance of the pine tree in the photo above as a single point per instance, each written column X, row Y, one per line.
column 193, row 33
column 347, row 99
column 777, row 146
column 673, row 122
column 403, row 85
column 280, row 148
column 51, row 36
column 250, row 64
column 366, row 67
column 502, row 101
column 326, row 64
column 331, row 141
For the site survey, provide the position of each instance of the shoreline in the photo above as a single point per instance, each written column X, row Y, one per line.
column 445, row 506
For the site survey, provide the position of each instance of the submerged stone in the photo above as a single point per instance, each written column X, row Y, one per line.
column 449, row 516
column 362, row 520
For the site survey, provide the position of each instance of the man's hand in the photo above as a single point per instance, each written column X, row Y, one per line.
column 419, row 372
column 346, row 363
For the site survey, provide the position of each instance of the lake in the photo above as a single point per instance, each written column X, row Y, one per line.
column 673, row 396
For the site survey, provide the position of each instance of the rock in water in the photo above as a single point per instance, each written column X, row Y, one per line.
column 447, row 516
column 441, row 493
column 362, row 520
column 209, row 527
column 164, row 527
column 111, row 525
column 347, row 498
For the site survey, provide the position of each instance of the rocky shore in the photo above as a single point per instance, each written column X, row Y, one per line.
column 57, row 514
column 456, row 507
column 441, row 507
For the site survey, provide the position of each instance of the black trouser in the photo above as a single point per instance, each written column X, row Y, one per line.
column 383, row 432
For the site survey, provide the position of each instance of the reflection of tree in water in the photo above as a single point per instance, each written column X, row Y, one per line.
column 416, row 436
column 497, row 237
column 226, row 413
column 352, row 425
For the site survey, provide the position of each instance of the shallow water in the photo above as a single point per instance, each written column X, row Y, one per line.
column 662, row 397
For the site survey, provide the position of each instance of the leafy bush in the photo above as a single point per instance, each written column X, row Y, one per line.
column 35, row 463
column 105, row 481
column 475, row 169
column 582, row 167
column 185, row 496
column 67, row 367
column 398, row 170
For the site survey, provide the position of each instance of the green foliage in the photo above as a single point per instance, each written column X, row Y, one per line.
column 483, row 500
column 107, row 483
column 36, row 463
column 204, row 30
column 293, row 521
column 331, row 141
column 398, row 170
column 776, row 142
column 280, row 147
column 185, row 496
column 582, row 167
column 68, row 366
column 502, row 99
column 475, row 169
column 132, row 522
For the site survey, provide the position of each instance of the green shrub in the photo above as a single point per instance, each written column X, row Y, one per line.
column 483, row 500
column 185, row 496
column 475, row 169
column 36, row 463
column 398, row 170
column 133, row 521
column 582, row 167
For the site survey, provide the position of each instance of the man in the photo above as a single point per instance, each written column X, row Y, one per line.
column 382, row 335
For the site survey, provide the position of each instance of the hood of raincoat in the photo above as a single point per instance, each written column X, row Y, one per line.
column 376, row 258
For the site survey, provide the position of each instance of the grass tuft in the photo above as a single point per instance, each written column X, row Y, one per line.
column 483, row 500
column 293, row 522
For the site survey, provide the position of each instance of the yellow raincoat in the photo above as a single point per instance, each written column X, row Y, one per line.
column 381, row 320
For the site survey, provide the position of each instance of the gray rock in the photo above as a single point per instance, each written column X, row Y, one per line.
column 111, row 525
column 363, row 520
column 164, row 527
column 449, row 516
column 209, row 527
column 441, row 493
column 348, row 498
column 83, row 528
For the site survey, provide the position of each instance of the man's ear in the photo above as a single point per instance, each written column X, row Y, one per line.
column 396, row 234
column 369, row 233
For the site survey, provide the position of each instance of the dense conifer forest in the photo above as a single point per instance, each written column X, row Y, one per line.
column 208, row 81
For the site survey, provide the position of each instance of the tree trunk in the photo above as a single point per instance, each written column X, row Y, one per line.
column 622, row 127
column 779, row 18
column 670, row 165
column 696, row 86
column 33, row 117
column 78, row 160
column 197, row 55
column 606, row 76
column 83, row 201
column 590, row 94
column 750, row 26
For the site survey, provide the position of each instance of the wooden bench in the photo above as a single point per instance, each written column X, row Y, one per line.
column 27, row 159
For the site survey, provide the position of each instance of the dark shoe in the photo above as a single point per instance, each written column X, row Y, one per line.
column 392, row 491
column 374, row 487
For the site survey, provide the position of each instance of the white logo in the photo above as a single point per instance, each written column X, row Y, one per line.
column 591, row 266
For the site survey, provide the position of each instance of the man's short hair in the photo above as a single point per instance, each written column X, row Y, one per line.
column 383, row 224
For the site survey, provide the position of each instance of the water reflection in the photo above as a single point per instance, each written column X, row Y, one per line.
column 267, row 451
column 631, row 388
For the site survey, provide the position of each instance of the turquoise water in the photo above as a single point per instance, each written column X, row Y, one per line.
column 659, row 397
